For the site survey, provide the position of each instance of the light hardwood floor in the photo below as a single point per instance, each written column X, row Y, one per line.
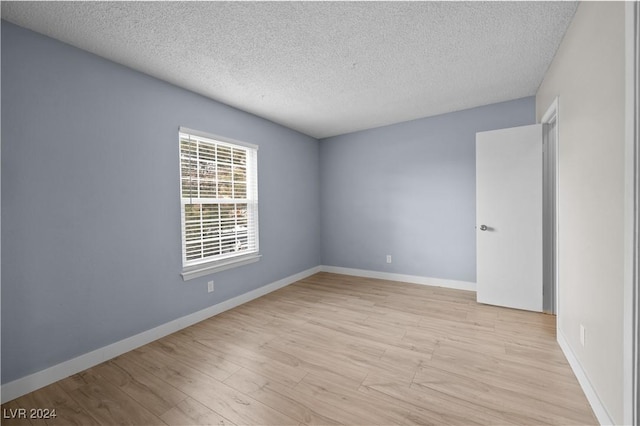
column 333, row 349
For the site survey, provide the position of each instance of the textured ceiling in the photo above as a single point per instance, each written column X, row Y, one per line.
column 322, row 68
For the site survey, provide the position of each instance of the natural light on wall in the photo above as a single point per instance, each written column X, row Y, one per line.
column 219, row 203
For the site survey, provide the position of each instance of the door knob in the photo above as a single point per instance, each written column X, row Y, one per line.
column 483, row 227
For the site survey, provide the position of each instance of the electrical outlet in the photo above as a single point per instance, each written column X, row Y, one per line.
column 210, row 286
column 388, row 258
column 582, row 334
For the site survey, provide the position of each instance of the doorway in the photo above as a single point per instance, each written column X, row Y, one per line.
column 549, row 208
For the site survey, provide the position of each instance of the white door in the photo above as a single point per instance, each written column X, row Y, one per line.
column 509, row 217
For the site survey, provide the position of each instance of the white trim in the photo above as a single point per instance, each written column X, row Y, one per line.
column 414, row 279
column 202, row 246
column 216, row 138
column 65, row 369
column 596, row 404
column 631, row 359
column 553, row 114
column 196, row 271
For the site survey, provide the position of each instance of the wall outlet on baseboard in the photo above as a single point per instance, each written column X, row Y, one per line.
column 210, row 287
column 388, row 258
column 582, row 333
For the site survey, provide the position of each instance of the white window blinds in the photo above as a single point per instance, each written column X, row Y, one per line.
column 219, row 198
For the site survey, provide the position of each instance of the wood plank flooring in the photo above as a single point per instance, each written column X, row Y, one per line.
column 330, row 350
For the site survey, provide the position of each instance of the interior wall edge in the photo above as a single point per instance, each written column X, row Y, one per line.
column 106, row 259
column 588, row 74
column 631, row 402
column 600, row 411
column 413, row 279
column 40, row 379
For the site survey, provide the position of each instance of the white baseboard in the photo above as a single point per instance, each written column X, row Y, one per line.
column 414, row 279
column 596, row 404
column 65, row 369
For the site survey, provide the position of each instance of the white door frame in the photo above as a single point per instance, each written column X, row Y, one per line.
column 552, row 114
column 631, row 327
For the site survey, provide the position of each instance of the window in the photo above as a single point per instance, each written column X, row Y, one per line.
column 219, row 201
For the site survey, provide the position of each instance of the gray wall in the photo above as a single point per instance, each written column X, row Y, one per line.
column 408, row 190
column 91, row 214
column 90, row 202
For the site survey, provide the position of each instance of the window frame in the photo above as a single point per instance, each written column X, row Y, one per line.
column 206, row 265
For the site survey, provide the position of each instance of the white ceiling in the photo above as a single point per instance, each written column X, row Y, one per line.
column 322, row 68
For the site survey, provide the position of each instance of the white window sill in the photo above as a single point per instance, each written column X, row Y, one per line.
column 203, row 269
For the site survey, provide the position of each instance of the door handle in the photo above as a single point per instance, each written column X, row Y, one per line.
column 483, row 227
